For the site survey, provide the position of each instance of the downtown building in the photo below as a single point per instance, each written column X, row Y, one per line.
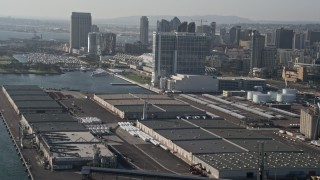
column 101, row 44
column 144, row 30
column 257, row 46
column 81, row 25
column 284, row 38
column 178, row 53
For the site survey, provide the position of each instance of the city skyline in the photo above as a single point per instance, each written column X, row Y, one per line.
column 252, row 9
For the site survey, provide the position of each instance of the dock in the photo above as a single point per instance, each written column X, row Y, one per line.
column 123, row 84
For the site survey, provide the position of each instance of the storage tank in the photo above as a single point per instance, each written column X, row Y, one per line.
column 273, row 95
column 251, row 93
column 286, row 98
column 257, row 98
column 289, row 91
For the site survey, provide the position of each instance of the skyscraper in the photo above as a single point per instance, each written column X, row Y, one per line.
column 144, row 30
column 183, row 27
column 101, row 43
column 213, row 28
column 299, row 40
column 270, row 39
column 163, row 26
column 79, row 30
column 284, row 38
column 94, row 28
column 192, row 27
column 174, row 24
column 235, row 35
column 182, row 53
column 257, row 46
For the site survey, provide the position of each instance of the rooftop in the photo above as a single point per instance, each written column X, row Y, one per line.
column 58, row 127
column 167, row 124
column 241, row 78
column 186, row 134
column 21, row 87
column 69, row 137
column 26, row 93
column 208, row 146
column 238, row 134
column 249, row 160
column 214, row 124
column 48, row 117
column 31, row 98
column 269, row 145
column 25, row 105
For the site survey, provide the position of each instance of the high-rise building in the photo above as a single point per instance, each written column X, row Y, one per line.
column 269, row 58
column 284, row 38
column 235, row 35
column 206, row 29
column 270, row 39
column 106, row 44
column 94, row 28
column 192, row 27
column 245, row 35
column 79, row 30
column 101, row 43
column 174, row 24
column 163, row 26
column 213, row 28
column 144, row 30
column 257, row 46
column 183, row 27
column 313, row 37
column 299, row 40
column 178, row 53
column 92, row 43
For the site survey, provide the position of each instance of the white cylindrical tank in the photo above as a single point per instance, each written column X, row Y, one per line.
column 286, row 98
column 257, row 98
column 273, row 95
column 289, row 91
column 249, row 95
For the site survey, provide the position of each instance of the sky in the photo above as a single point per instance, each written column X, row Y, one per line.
column 278, row 10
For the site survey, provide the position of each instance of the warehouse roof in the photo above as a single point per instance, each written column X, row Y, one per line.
column 38, row 105
column 186, row 134
column 31, row 98
column 208, row 146
column 249, row 160
column 238, row 134
column 58, row 127
column 69, row 137
column 26, row 93
column 167, row 124
column 269, row 145
column 151, row 96
column 48, row 117
column 214, row 124
column 115, row 96
column 21, row 87
column 137, row 108
column 181, row 108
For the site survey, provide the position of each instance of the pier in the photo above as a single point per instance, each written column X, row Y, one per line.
column 123, row 84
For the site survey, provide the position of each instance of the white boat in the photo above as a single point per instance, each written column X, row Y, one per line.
column 99, row 72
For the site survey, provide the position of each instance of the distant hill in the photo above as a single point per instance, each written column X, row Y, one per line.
column 135, row 20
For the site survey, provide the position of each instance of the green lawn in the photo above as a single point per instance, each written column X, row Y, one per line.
column 6, row 59
column 137, row 78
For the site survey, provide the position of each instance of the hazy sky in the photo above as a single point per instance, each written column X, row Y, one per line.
column 289, row 10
